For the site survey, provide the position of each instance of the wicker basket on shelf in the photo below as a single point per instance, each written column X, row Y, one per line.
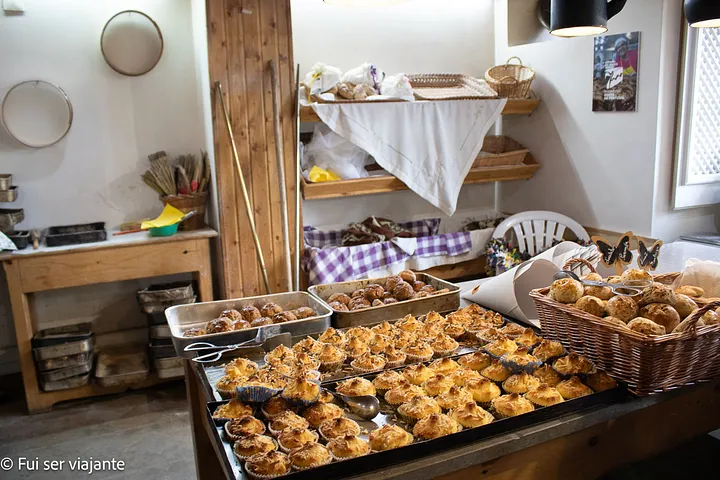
column 500, row 151
column 186, row 204
column 511, row 80
column 647, row 364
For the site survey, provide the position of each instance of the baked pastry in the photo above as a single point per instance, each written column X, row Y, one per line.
column 437, row 384
column 194, row 332
column 391, row 282
column 219, row 325
column 482, row 390
column 465, row 317
column 348, row 446
column 690, row 291
column 275, row 406
column 333, row 337
column 387, row 381
column 444, row 345
column 355, row 387
column 496, row 372
column 304, row 312
column 646, row 326
column 521, row 359
column 270, row 309
column 268, row 465
column 410, row 324
column 373, row 291
column 636, row 275
column 501, row 346
column 331, row 358
column 233, row 409
column 435, row 426
column 342, row 298
column 254, row 444
column 389, row 437
column 463, row 375
column 326, row 397
column 548, row 349
column 287, row 419
column 658, row 293
column 384, row 328
column 280, row 354
column 474, row 361
column 544, row 396
column 417, row 285
column 231, row 314
column 249, row 313
column 320, row 412
column 470, row 415
column 394, row 357
column 600, row 381
column 603, row 293
column 622, row 307
column 403, row 392
column 403, row 291
column 710, row 318
column 547, row 375
column 361, row 333
column 240, row 324
column 684, row 305
column 358, row 303
column 520, row 383
column 418, row 352
column 431, row 331
column 528, row 338
column 339, row 307
column 368, row 363
column 240, row 367
column 243, row 426
column 573, row 388
column 417, row 374
column 308, row 345
column 445, row 366
column 512, row 330
column 417, row 408
column 591, row 305
column 662, row 314
column 408, row 276
column 338, row 427
column 512, row 405
column 453, row 398
column 261, row 322
column 292, row 438
column 378, row 343
column 566, row 290
column 615, row 321
column 310, row 455
column 360, row 292
column 573, row 364
column 488, row 335
column 453, row 330
column 283, row 317
column 355, row 348
column 226, row 385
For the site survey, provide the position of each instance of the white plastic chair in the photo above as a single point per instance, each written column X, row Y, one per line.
column 536, row 230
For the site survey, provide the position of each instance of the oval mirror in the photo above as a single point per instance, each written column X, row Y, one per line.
column 37, row 113
column 131, row 43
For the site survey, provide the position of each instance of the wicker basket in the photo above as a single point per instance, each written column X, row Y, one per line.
column 511, row 80
column 449, row 86
column 647, row 364
column 500, row 151
column 186, row 204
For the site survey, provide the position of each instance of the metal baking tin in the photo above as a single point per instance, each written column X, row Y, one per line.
column 169, row 367
column 162, row 348
column 183, row 317
column 159, row 307
column 63, row 350
column 165, row 292
column 67, row 372
column 55, row 336
column 62, row 235
column 159, row 331
column 370, row 315
column 8, row 195
column 122, row 366
column 5, row 181
column 63, row 362
column 65, row 384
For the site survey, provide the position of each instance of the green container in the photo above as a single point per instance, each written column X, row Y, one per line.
column 164, row 231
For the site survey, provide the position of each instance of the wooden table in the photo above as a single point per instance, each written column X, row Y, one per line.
column 123, row 257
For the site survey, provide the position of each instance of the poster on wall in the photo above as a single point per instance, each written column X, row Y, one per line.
column 615, row 80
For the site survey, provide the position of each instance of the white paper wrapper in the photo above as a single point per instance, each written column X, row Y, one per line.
column 701, row 273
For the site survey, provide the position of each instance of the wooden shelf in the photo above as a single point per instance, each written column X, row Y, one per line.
column 389, row 183
column 522, row 106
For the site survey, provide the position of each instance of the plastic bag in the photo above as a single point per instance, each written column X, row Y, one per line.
column 367, row 74
column 331, row 152
column 322, row 78
column 397, row 86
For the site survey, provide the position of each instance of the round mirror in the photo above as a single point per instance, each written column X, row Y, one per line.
column 131, row 43
column 37, row 113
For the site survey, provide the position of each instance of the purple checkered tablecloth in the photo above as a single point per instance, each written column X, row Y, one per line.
column 326, row 262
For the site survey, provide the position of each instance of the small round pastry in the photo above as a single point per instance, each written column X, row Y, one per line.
column 283, row 317
column 528, row 338
column 600, row 381
column 470, row 415
column 403, row 291
column 474, row 361
column 320, row 412
column 544, row 396
column 453, row 330
column 233, row 409
column 573, row 364
column 417, row 408
column 511, row 405
column 378, row 343
column 250, row 313
column 684, row 305
column 391, row 282
column 358, row 303
column 194, row 332
column 355, row 348
column 287, row 419
column 658, row 293
column 408, row 276
column 348, row 446
column 429, row 289
column 389, row 437
column 603, row 293
column 326, row 397
column 275, row 406
column 435, row 426
column 418, row 352
column 520, row 383
column 338, row 427
column 340, row 298
column 662, row 314
column 547, row 375
column 244, row 426
column 463, row 375
column 520, row 360
column 301, row 390
column 377, row 303
column 488, row 335
column 280, row 354
column 417, row 285
column 226, row 386
column 219, row 325
column 636, row 274
column 512, row 330
column 231, row 314
column 573, row 388
column 384, row 328
column 253, row 445
column 402, row 339
column 367, row 363
column 591, row 305
column 410, row 324
column 308, row 345
column 444, row 345
column 394, row 357
column 268, row 465
column 548, row 349
column 304, row 312
column 431, row 331
column 566, row 290
column 361, row 333
column 240, row 324
column 454, row 397
column 270, row 309
column 483, row 390
column 592, row 276
column 437, row 384
column 331, row 358
column 690, row 291
column 355, row 387
column 390, row 300
column 646, row 326
column 622, row 307
column 338, row 307
column 387, row 381
column 260, row 322
column 333, row 337
column 240, row 367
column 501, row 346
column 292, row 438
column 374, row 291
column 310, row 455
column 360, row 292
column 402, row 393
column 615, row 321
column 710, row 318
column 417, row 374
column 497, row 372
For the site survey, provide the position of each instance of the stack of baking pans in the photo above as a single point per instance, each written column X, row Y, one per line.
column 63, row 356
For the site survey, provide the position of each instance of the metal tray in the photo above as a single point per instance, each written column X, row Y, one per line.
column 365, row 316
column 160, row 331
column 56, row 336
column 165, row 292
column 63, row 362
column 156, row 318
column 75, row 234
column 66, row 384
column 8, row 195
column 160, row 307
column 124, row 366
column 162, row 348
column 63, row 350
column 20, row 238
column 5, row 181
column 183, row 317
column 63, row 373
column 166, row 363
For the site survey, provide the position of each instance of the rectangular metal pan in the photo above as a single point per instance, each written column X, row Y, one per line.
column 67, row 372
column 165, row 292
column 122, row 366
column 183, row 317
column 418, row 306
column 66, row 384
column 21, row 238
column 160, row 331
column 63, row 362
column 8, row 195
column 59, row 335
column 63, row 350
column 75, row 234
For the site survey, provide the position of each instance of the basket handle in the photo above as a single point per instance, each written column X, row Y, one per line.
column 517, row 58
column 697, row 315
column 503, row 80
column 570, row 264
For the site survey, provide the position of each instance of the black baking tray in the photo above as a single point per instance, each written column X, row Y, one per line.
column 20, row 238
column 57, row 336
column 63, row 235
column 162, row 348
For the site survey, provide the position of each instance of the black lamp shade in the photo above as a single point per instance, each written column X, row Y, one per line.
column 703, row 13
column 576, row 18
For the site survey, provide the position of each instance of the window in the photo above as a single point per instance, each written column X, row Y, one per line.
column 697, row 175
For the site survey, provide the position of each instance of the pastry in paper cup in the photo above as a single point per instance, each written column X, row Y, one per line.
column 250, row 445
column 256, row 393
column 301, row 391
column 520, row 361
column 265, row 466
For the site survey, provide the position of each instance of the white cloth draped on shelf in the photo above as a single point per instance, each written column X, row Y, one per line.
column 430, row 146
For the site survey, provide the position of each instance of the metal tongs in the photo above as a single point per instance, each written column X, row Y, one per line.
column 631, row 288
column 263, row 335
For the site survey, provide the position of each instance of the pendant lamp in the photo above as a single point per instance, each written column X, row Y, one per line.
column 703, row 13
column 577, row 18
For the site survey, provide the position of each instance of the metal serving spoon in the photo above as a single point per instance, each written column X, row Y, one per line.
column 268, row 338
column 364, row 406
column 631, row 289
